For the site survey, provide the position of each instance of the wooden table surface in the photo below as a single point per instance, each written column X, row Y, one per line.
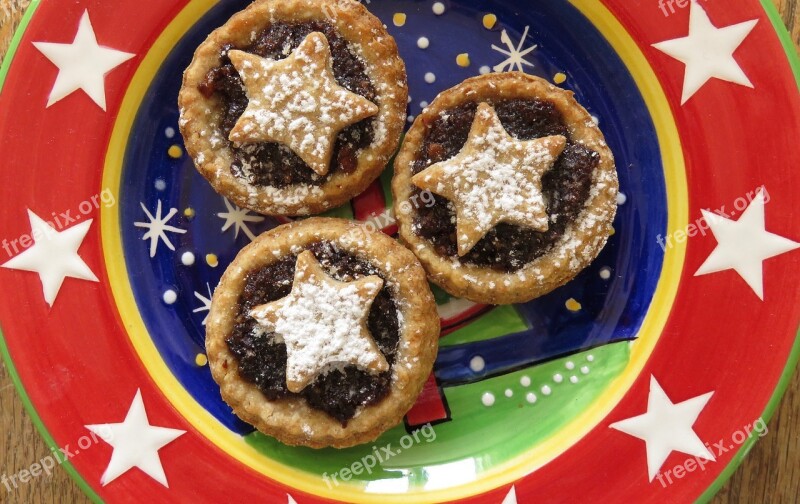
column 769, row 474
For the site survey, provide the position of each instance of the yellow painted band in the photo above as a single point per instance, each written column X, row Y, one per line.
column 234, row 445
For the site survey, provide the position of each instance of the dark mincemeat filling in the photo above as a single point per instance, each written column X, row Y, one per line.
column 566, row 186
column 263, row 362
column 271, row 164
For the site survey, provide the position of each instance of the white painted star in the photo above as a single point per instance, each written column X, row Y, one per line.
column 136, row 444
column 511, row 496
column 744, row 245
column 157, row 228
column 238, row 218
column 290, row 499
column 708, row 51
column 54, row 256
column 667, row 427
column 83, row 64
column 516, row 54
column 206, row 303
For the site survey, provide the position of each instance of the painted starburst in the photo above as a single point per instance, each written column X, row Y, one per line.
column 206, row 307
column 157, row 228
column 238, row 218
column 515, row 53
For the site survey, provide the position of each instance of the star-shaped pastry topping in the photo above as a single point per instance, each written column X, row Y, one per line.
column 323, row 323
column 495, row 178
column 708, row 51
column 83, row 64
column 53, row 256
column 744, row 245
column 136, row 443
column 297, row 102
column 667, row 427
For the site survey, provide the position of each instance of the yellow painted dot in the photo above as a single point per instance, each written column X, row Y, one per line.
column 489, row 20
column 175, row 151
column 572, row 305
column 212, row 260
column 463, row 60
column 559, row 78
column 189, row 213
column 613, row 231
column 399, row 19
column 201, row 360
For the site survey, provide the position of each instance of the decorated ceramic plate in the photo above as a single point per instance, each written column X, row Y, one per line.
column 647, row 378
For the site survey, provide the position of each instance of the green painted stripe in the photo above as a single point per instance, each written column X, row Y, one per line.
column 769, row 411
column 12, row 370
column 788, row 371
column 785, row 38
column 500, row 321
column 37, row 421
column 12, row 47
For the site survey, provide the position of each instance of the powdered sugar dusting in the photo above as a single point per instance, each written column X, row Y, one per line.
column 495, row 178
column 322, row 323
column 283, row 198
column 297, row 102
column 582, row 239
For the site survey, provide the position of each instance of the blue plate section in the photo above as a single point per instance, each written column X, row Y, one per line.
column 612, row 308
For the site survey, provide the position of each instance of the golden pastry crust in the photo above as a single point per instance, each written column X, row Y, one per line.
column 200, row 116
column 292, row 420
column 574, row 251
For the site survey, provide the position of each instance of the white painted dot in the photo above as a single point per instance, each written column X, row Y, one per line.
column 487, row 399
column 525, row 381
column 187, row 258
column 438, row 8
column 484, row 70
column 170, row 296
column 546, row 390
column 423, row 104
column 509, row 392
column 558, row 378
column 410, row 99
column 573, row 379
column 169, row 132
column 430, row 77
column 590, row 358
column 570, row 365
column 410, row 119
column 477, row 364
column 605, row 273
column 423, row 43
column 160, row 184
column 621, row 198
column 595, row 119
column 585, row 369
column 530, row 397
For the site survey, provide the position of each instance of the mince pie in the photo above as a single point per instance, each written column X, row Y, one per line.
column 322, row 333
column 293, row 107
column 523, row 183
